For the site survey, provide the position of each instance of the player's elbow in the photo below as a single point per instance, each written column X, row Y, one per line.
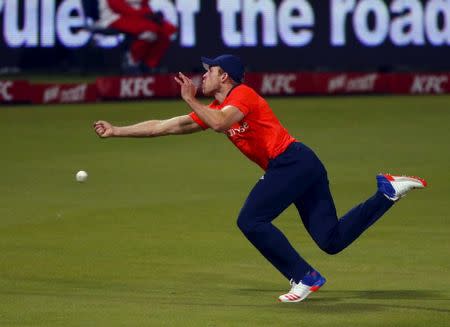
column 219, row 127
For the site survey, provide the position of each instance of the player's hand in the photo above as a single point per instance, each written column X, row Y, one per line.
column 188, row 89
column 103, row 128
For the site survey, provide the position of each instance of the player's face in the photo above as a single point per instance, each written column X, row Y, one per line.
column 212, row 80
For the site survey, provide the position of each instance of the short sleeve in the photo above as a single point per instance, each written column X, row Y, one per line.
column 241, row 98
column 197, row 119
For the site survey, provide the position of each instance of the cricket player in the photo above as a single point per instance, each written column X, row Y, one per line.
column 293, row 173
column 134, row 17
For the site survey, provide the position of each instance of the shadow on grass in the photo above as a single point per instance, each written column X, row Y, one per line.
column 343, row 301
column 326, row 302
column 369, row 295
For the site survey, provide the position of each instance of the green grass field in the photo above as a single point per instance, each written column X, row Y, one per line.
column 151, row 238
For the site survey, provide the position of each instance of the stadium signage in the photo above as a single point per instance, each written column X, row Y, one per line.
column 292, row 23
column 403, row 22
column 136, row 87
column 278, row 83
column 39, row 23
column 13, row 91
column 72, row 94
column 62, row 93
column 429, row 84
column 51, row 94
column 343, row 82
column 75, row 94
column 5, row 91
column 164, row 86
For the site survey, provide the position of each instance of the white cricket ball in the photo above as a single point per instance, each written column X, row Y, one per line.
column 81, row 176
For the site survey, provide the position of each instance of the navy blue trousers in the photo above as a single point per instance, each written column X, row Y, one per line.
column 298, row 176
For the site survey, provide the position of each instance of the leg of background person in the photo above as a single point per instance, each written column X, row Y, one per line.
column 159, row 47
column 156, row 51
column 168, row 29
column 318, row 213
column 137, row 27
column 139, row 50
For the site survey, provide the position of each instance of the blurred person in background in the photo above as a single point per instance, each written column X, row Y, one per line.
column 151, row 31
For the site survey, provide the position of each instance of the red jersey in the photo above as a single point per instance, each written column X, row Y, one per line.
column 112, row 10
column 259, row 135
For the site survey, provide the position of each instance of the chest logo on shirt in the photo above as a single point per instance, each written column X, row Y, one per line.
column 241, row 129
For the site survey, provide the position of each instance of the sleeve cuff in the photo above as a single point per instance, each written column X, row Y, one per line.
column 200, row 122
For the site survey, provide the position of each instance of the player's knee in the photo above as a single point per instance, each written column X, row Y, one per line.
column 246, row 225
column 243, row 225
column 329, row 248
column 331, row 251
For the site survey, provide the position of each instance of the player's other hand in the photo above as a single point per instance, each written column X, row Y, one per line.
column 103, row 128
column 188, row 89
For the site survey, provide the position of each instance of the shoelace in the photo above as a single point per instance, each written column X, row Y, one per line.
column 293, row 284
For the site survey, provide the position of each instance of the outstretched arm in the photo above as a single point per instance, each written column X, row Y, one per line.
column 151, row 128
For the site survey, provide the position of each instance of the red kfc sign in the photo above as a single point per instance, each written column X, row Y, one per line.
column 140, row 87
column 14, row 91
column 433, row 83
column 286, row 83
column 410, row 83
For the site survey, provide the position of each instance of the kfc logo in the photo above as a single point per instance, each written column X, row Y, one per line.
column 429, row 84
column 278, row 84
column 5, row 89
column 137, row 87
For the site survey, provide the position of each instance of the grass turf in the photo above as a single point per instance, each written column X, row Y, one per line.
column 151, row 239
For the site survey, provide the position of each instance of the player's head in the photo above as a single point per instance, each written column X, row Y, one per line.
column 225, row 69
